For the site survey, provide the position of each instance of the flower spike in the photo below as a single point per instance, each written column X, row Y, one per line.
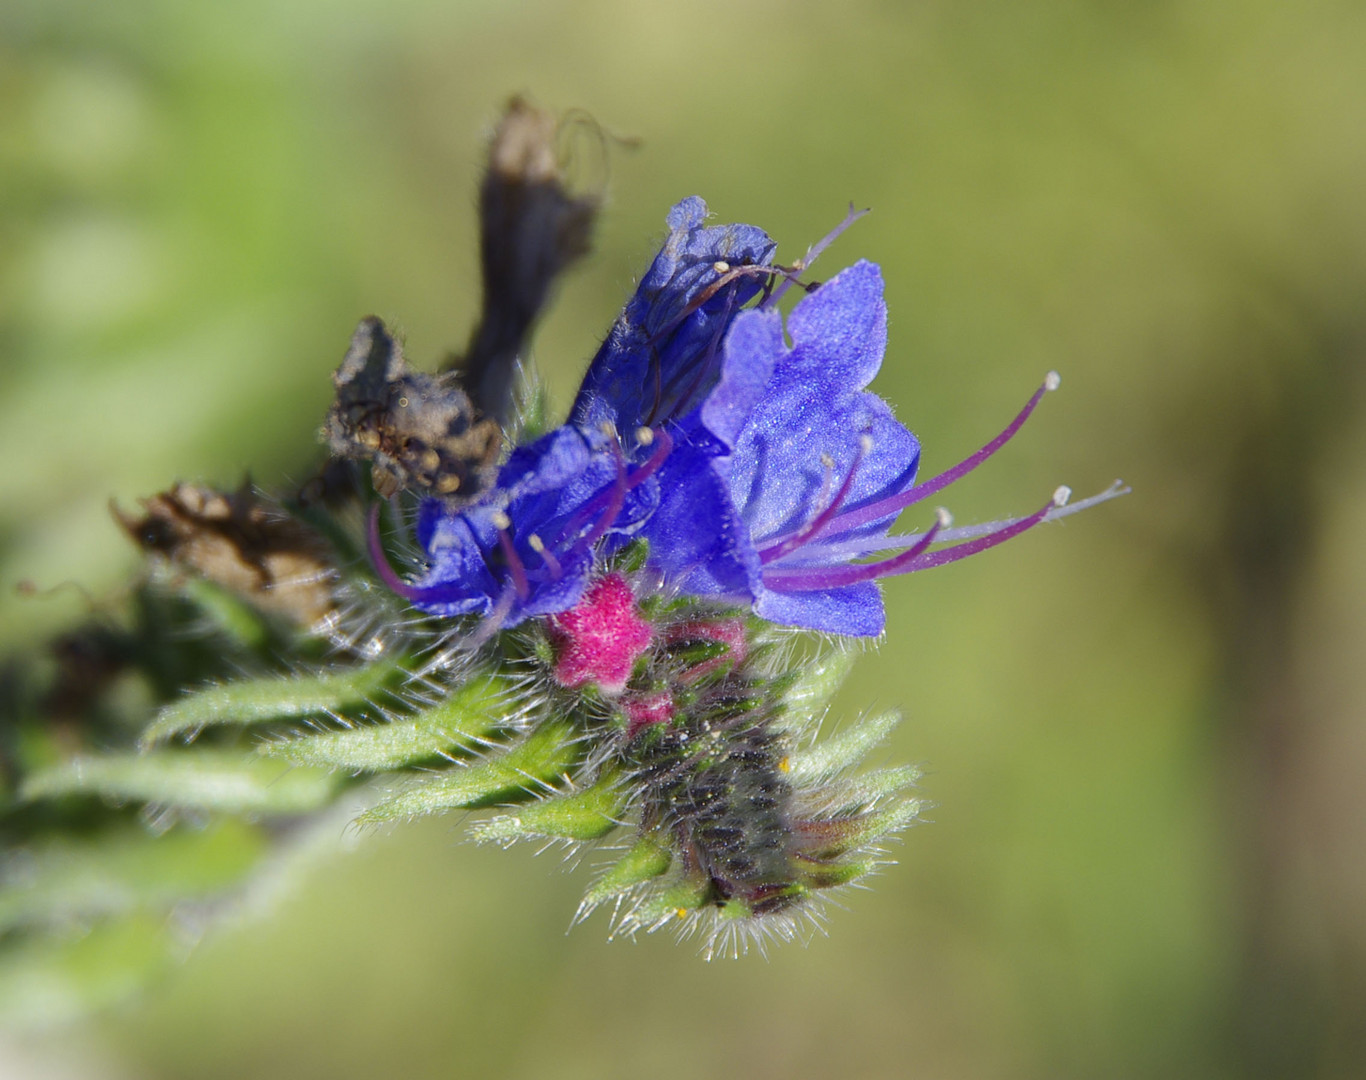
column 597, row 641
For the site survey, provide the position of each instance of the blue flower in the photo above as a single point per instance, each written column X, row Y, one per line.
column 661, row 357
column 760, row 474
column 815, row 471
column 806, row 442
column 527, row 547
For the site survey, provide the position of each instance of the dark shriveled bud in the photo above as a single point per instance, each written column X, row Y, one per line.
column 531, row 227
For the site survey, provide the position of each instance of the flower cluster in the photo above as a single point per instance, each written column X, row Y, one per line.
column 759, row 473
column 724, row 472
column 596, row 643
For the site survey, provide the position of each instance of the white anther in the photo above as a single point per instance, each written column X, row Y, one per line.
column 608, row 428
column 536, row 543
column 1052, row 381
column 866, row 443
column 645, row 436
column 720, row 267
column 944, row 518
column 1061, row 496
column 500, row 520
column 827, row 460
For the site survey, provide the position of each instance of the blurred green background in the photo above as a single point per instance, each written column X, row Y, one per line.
column 1143, row 728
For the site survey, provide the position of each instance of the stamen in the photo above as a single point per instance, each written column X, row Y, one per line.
column 552, row 564
column 614, row 497
column 516, row 569
column 645, row 436
column 816, row 578
column 702, row 368
column 415, row 594
column 893, row 504
column 721, row 266
column 380, row 560
column 812, row 254
column 948, row 555
column 795, row 540
column 851, row 549
column 733, row 273
column 656, row 459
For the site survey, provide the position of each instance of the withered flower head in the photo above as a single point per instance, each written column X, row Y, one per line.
column 242, row 544
column 532, row 225
column 419, row 430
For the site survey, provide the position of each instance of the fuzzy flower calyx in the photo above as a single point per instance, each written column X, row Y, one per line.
column 599, row 640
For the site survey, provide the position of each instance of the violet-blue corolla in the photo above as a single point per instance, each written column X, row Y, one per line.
column 815, row 468
column 760, row 473
column 528, row 546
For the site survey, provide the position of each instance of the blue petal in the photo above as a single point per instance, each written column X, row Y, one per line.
column 661, row 359
column 557, row 489
column 839, row 332
column 855, row 610
column 806, row 432
column 811, row 431
column 697, row 539
column 752, row 347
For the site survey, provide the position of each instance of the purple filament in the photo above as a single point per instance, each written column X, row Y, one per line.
column 894, row 504
column 982, row 543
column 514, row 564
column 812, row 254
column 916, row 557
column 380, row 561
column 613, row 498
column 796, row 539
column 552, row 564
column 810, row 579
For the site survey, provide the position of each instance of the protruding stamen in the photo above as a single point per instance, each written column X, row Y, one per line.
column 616, row 499
column 731, row 274
column 812, row 579
column 893, row 504
column 984, row 528
column 612, row 499
column 645, row 436
column 721, row 266
column 982, row 543
column 380, row 561
column 500, row 520
column 812, row 254
column 1061, row 496
column 552, row 564
column 655, row 460
column 795, row 540
column 1052, row 381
